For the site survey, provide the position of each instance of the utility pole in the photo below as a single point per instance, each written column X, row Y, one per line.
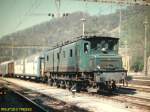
column 83, row 26
column 126, row 55
column 120, row 20
column 83, row 21
column 145, row 46
column 12, row 50
column 57, row 14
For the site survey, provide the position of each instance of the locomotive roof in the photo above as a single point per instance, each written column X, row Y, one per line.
column 87, row 36
column 94, row 37
column 91, row 35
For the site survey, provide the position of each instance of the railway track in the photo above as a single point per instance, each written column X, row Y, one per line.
column 124, row 95
column 139, row 88
column 25, row 105
column 141, row 77
column 130, row 100
column 40, row 101
column 135, row 101
column 140, row 80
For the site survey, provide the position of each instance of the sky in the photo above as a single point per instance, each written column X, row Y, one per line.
column 17, row 15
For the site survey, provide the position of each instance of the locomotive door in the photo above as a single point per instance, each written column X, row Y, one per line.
column 58, row 59
column 77, row 55
column 84, row 56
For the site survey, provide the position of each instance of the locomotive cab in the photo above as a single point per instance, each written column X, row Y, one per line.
column 101, row 58
column 100, row 53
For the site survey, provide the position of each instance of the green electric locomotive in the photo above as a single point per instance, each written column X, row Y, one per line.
column 86, row 62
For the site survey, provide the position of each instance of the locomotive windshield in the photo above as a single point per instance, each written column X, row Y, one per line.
column 104, row 44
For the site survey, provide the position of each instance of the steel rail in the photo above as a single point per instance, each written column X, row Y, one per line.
column 41, row 109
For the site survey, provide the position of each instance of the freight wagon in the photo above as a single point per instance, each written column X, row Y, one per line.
column 19, row 67
column 7, row 68
column 29, row 67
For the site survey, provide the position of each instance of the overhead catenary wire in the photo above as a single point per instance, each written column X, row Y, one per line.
column 35, row 4
column 129, row 2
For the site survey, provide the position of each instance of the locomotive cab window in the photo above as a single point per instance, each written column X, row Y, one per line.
column 86, row 47
column 104, row 45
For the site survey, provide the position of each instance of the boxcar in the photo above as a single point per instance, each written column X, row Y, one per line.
column 31, row 66
column 19, row 67
column 7, row 68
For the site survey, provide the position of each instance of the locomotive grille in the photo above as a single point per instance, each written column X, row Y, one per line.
column 110, row 64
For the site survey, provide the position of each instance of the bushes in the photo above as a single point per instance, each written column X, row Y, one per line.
column 137, row 65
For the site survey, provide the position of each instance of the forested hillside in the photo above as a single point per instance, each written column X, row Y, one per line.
column 61, row 29
column 57, row 30
column 133, row 32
